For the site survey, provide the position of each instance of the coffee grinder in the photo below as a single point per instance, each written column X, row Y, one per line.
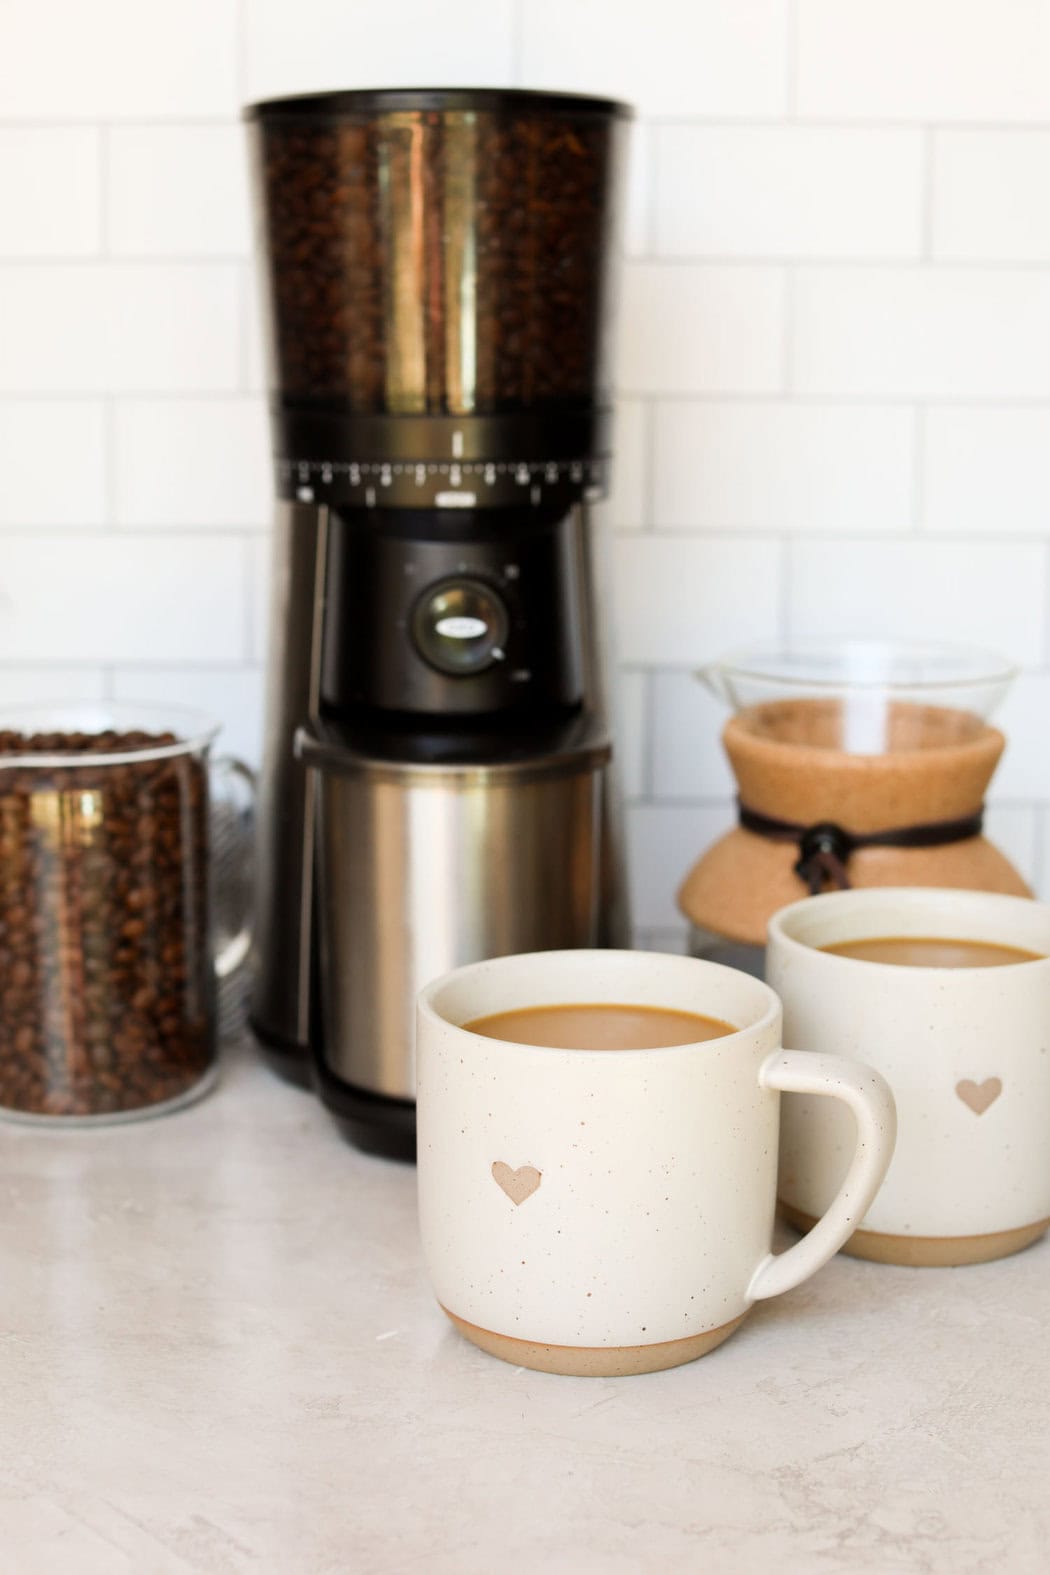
column 436, row 784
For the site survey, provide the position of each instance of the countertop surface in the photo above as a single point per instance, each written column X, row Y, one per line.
column 219, row 1354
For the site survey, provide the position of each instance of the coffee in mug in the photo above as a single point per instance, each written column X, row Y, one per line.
column 925, row 951
column 947, row 993
column 598, row 1026
column 609, row 1210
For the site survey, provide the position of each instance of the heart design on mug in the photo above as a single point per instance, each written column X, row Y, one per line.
column 517, row 1184
column 979, row 1095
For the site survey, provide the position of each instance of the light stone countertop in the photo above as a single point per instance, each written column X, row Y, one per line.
column 219, row 1354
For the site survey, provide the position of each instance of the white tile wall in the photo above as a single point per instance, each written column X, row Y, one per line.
column 701, row 329
column 781, row 466
column 834, row 353
column 987, row 470
column 66, row 163
column 177, row 191
column 194, row 462
column 118, row 60
column 924, row 60
column 987, row 195
column 788, row 191
column 979, row 593
column 54, row 462
column 922, row 332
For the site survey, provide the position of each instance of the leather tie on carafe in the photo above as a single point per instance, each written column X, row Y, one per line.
column 825, row 848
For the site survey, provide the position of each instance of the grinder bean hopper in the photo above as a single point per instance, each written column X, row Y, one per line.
column 436, row 785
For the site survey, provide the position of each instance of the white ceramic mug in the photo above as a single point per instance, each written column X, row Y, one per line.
column 611, row 1211
column 965, row 1050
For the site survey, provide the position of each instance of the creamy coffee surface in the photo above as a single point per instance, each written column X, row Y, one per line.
column 599, row 1025
column 920, row 951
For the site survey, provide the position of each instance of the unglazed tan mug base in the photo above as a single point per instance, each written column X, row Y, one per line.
column 926, row 1252
column 594, row 1361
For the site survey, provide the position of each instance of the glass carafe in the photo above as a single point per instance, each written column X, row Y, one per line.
column 857, row 763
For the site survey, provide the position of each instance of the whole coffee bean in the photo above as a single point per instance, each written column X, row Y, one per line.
column 96, row 1011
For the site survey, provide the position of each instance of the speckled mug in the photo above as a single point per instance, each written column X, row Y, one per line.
column 600, row 1212
column 965, row 1050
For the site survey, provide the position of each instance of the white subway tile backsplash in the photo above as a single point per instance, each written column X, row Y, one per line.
column 41, row 686
column 914, row 332
column 233, row 696
column 626, row 505
column 87, row 328
column 50, row 191
column 637, row 239
column 1012, row 827
column 631, row 741
column 988, row 190
column 252, row 328
column 973, row 593
column 987, row 470
column 260, row 571
column 682, row 601
column 1024, row 771
column 766, row 466
column 118, row 60
column 788, row 191
column 664, row 841
column 689, row 761
column 324, row 44
column 177, row 191
column 192, row 462
column 924, row 60
column 121, row 598
column 704, row 58
column 701, row 329
column 54, row 462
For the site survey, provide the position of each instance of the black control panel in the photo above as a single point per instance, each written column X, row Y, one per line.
column 466, row 615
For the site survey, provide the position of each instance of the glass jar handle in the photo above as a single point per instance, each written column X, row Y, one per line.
column 238, row 780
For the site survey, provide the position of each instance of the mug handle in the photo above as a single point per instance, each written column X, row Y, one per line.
column 227, row 770
column 868, row 1096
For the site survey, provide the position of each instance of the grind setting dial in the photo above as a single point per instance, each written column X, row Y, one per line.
column 460, row 627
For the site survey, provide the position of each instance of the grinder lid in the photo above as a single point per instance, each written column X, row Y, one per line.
column 378, row 101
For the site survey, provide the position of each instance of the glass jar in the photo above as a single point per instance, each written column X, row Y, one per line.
column 107, row 973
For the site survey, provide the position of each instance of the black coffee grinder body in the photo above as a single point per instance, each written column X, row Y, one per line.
column 437, row 782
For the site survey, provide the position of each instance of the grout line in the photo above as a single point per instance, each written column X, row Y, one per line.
column 918, row 477
column 885, row 262
column 150, row 260
column 773, row 122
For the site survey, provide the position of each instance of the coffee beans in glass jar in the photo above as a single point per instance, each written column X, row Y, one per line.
column 106, row 980
column 438, row 251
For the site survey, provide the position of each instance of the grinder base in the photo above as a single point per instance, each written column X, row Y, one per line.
column 373, row 1123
